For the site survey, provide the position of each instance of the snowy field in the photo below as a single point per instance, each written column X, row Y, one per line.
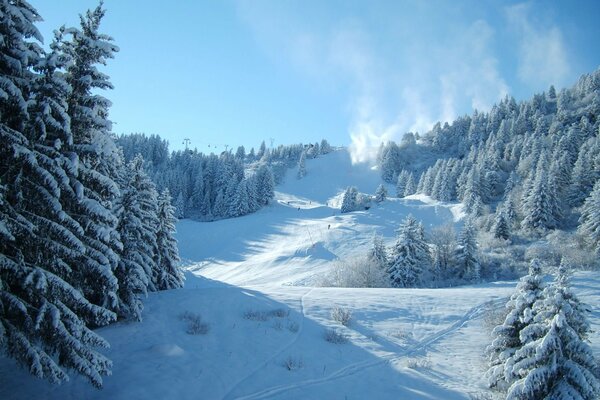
column 263, row 321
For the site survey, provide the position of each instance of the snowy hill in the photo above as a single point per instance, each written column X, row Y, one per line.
column 251, row 279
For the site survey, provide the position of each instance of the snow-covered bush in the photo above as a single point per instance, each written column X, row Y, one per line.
column 293, row 326
column 336, row 337
column 418, row 363
column 359, row 271
column 341, row 315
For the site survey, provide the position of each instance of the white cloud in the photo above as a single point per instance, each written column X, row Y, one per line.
column 543, row 59
column 422, row 80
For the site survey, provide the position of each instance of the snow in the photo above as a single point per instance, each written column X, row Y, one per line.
column 252, row 281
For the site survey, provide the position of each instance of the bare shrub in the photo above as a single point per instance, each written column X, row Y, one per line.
column 195, row 326
column 401, row 334
column 334, row 336
column 341, row 315
column 256, row 315
column 293, row 363
column 293, row 326
column 355, row 272
column 493, row 316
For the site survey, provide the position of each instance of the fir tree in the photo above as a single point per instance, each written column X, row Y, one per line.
column 380, row 193
column 408, row 255
column 540, row 205
column 589, row 221
column 301, row 166
column 167, row 254
column 507, row 337
column 555, row 362
column 466, row 255
column 137, row 270
column 401, row 183
column 42, row 315
column 501, row 226
column 349, row 199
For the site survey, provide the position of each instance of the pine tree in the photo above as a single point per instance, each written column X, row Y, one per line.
column 349, row 199
column 555, row 362
column 265, row 185
column 507, row 337
column 408, row 255
column 301, row 166
column 167, row 254
column 589, row 221
column 466, row 255
column 540, row 205
column 325, row 147
column 97, row 159
column 378, row 253
column 401, row 183
column 410, row 186
column 380, row 193
column 137, row 270
column 501, row 226
column 42, row 314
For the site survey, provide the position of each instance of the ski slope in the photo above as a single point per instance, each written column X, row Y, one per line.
column 252, row 281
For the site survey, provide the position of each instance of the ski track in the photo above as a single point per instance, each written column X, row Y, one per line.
column 277, row 353
column 358, row 367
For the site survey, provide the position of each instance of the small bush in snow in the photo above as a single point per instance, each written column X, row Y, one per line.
column 418, row 363
column 293, row 326
column 401, row 334
column 493, row 316
column 293, row 363
column 254, row 315
column 279, row 313
column 341, row 315
column 277, row 325
column 195, row 326
column 334, row 336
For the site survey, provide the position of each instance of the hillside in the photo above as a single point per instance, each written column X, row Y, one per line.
column 252, row 281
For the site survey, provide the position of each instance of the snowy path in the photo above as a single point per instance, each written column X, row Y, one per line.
column 262, row 365
column 359, row 367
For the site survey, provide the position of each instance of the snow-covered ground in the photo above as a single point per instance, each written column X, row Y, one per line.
column 252, row 281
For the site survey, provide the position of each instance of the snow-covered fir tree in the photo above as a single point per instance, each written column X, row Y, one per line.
column 555, row 362
column 137, row 270
column 589, row 227
column 501, row 226
column 467, row 253
column 380, row 193
column 378, row 253
column 507, row 337
column 167, row 254
column 43, row 316
column 540, row 204
column 301, row 166
column 409, row 256
column 349, row 199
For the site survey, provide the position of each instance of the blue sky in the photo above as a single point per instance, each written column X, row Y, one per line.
column 354, row 72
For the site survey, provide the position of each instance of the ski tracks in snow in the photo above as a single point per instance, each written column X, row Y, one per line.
column 358, row 367
column 228, row 395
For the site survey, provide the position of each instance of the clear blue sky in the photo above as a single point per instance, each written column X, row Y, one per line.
column 238, row 72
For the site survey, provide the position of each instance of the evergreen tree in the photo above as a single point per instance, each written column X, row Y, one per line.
column 378, row 253
column 42, row 315
column 167, row 254
column 540, row 205
column 380, row 193
column 349, row 199
column 408, row 255
column 410, row 185
column 325, row 147
column 301, row 166
column 589, row 221
column 265, row 185
column 401, row 183
column 501, row 226
column 555, row 362
column 97, row 159
column 507, row 337
column 137, row 270
column 467, row 259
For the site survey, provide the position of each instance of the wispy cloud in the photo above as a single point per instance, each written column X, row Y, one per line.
column 543, row 59
column 425, row 78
